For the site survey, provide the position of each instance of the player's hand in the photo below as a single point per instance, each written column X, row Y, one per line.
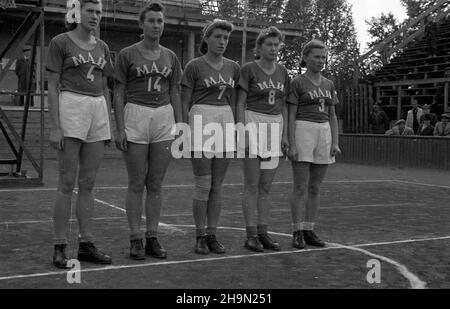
column 284, row 145
column 121, row 140
column 292, row 153
column 56, row 139
column 335, row 150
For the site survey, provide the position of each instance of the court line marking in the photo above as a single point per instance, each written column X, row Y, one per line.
column 422, row 184
column 332, row 247
column 163, row 225
column 190, row 185
column 232, row 212
column 51, row 220
column 414, row 281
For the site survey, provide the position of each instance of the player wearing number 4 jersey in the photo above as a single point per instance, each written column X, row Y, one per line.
column 263, row 87
column 208, row 90
column 148, row 76
column 79, row 105
column 313, row 139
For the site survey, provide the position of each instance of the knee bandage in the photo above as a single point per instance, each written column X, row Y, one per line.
column 202, row 187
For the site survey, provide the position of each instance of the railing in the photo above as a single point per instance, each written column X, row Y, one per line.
column 404, row 32
column 399, row 151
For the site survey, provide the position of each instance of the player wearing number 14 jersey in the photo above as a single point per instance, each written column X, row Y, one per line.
column 148, row 78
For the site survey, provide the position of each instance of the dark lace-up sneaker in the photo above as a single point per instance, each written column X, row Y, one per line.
column 154, row 249
column 137, row 251
column 213, row 245
column 252, row 243
column 268, row 242
column 201, row 247
column 297, row 241
column 60, row 258
column 87, row 252
column 312, row 239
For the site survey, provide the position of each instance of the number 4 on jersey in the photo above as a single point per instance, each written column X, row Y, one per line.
column 89, row 75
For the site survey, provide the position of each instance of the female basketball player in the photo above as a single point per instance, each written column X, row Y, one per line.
column 263, row 86
column 208, row 90
column 313, row 136
column 148, row 75
column 78, row 65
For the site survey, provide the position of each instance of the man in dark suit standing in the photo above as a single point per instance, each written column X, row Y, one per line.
column 23, row 68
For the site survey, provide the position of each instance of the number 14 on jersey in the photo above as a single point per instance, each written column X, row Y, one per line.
column 154, row 84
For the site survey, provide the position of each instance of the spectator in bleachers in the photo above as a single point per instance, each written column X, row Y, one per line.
column 378, row 120
column 426, row 128
column 400, row 129
column 427, row 111
column 443, row 128
column 413, row 117
column 430, row 33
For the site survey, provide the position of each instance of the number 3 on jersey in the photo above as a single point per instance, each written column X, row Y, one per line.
column 154, row 86
column 272, row 94
column 321, row 105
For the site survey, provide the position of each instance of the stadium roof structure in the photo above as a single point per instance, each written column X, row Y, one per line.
column 189, row 14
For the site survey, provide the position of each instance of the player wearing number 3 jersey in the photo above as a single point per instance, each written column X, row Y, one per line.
column 208, row 92
column 313, row 139
column 78, row 64
column 148, row 78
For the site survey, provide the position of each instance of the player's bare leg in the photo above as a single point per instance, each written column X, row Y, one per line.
column 159, row 158
column 136, row 162
column 250, row 201
column 317, row 174
column 91, row 155
column 218, row 170
column 67, row 173
column 264, row 204
column 298, row 201
column 203, row 179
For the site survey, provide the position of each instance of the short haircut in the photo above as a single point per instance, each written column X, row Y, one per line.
column 154, row 6
column 271, row 32
column 307, row 49
column 208, row 30
column 71, row 26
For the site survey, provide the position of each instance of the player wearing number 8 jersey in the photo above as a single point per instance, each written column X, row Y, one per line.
column 78, row 64
column 148, row 76
column 208, row 92
column 263, row 87
column 313, row 139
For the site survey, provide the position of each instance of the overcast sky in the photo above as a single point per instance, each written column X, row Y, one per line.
column 365, row 9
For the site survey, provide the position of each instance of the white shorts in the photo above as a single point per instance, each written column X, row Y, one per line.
column 84, row 117
column 313, row 142
column 148, row 125
column 263, row 129
column 212, row 129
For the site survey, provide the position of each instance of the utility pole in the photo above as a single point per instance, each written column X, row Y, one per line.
column 244, row 33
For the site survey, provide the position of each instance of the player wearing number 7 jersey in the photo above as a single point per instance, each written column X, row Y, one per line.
column 208, row 92
column 263, row 87
column 78, row 64
column 148, row 76
column 313, row 136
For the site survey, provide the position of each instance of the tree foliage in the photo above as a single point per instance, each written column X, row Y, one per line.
column 415, row 7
